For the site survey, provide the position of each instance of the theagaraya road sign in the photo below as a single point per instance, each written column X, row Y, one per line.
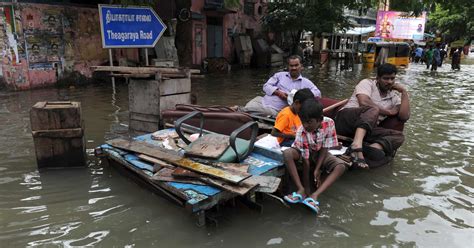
column 131, row 26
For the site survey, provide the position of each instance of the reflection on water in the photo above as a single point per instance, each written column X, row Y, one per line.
column 425, row 198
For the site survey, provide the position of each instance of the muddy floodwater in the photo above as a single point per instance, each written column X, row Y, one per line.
column 425, row 198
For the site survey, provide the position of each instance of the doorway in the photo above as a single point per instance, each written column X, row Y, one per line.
column 214, row 37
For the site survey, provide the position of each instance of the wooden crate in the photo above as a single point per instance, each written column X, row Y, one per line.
column 58, row 134
column 148, row 97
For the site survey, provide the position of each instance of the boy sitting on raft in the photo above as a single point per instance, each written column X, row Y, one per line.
column 287, row 120
column 313, row 139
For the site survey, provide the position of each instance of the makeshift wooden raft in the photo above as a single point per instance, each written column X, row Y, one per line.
column 190, row 186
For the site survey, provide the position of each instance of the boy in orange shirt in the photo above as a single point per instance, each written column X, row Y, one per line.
column 287, row 121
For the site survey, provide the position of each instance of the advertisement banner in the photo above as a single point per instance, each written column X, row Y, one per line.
column 400, row 25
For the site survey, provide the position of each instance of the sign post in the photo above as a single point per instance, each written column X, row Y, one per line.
column 129, row 27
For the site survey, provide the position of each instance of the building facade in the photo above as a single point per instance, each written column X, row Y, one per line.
column 215, row 26
column 42, row 43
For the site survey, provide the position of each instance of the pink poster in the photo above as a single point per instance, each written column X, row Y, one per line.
column 400, row 25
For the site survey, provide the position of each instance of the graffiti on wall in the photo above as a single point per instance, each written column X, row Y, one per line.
column 10, row 47
column 51, row 20
column 44, row 38
column 41, row 42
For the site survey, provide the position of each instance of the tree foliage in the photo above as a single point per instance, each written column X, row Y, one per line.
column 317, row 16
column 454, row 22
column 232, row 3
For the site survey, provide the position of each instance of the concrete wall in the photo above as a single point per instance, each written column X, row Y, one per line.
column 42, row 43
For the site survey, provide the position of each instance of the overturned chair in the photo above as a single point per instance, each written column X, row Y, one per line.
column 215, row 146
column 219, row 119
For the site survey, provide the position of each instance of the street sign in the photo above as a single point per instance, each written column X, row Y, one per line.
column 131, row 26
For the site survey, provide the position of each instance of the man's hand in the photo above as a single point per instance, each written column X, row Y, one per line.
column 399, row 87
column 282, row 95
column 392, row 112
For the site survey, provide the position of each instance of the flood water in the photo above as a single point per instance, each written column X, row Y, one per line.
column 425, row 198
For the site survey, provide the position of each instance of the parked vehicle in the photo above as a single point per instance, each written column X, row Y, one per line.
column 397, row 53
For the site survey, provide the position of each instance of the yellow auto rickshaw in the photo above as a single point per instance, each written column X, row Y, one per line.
column 397, row 53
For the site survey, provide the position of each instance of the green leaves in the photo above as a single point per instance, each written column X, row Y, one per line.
column 232, row 3
column 454, row 22
column 316, row 15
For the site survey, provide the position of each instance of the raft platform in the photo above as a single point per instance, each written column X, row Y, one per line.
column 196, row 196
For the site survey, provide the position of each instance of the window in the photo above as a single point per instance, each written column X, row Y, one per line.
column 249, row 7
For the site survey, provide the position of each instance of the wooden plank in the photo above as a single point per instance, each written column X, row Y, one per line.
column 156, row 161
column 242, row 168
column 136, row 70
column 212, row 171
column 143, row 126
column 208, row 146
column 174, row 75
column 144, row 97
column 241, row 189
column 159, row 178
column 133, row 75
column 167, row 156
column 157, row 167
column 145, row 148
column 59, row 133
column 66, row 103
column 174, row 86
column 170, row 101
column 335, row 105
column 140, row 70
column 197, row 76
column 123, row 165
column 48, row 116
column 166, row 175
column 233, row 167
column 183, row 173
column 266, row 184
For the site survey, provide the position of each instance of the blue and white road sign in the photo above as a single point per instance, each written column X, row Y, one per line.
column 131, row 26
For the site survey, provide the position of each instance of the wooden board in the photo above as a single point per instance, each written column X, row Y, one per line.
column 240, row 189
column 266, row 184
column 55, row 115
column 155, row 161
column 139, row 70
column 183, row 173
column 59, row 133
column 335, row 105
column 170, row 101
column 242, row 168
column 166, row 175
column 233, row 167
column 133, row 75
column 136, row 70
column 167, row 156
column 174, row 86
column 144, row 97
column 208, row 146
